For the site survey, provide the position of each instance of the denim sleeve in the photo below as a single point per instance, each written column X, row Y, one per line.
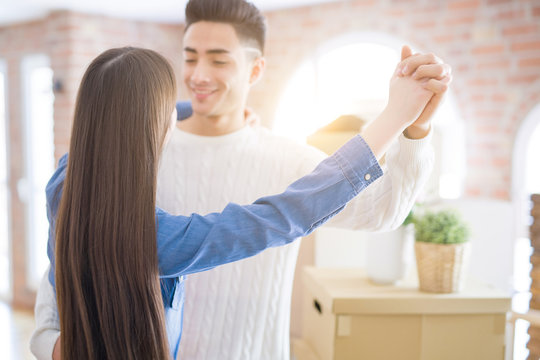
column 183, row 110
column 53, row 193
column 196, row 243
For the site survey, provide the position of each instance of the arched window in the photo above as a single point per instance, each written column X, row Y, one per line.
column 350, row 76
column 526, row 181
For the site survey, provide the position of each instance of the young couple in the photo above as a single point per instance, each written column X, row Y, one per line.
column 119, row 264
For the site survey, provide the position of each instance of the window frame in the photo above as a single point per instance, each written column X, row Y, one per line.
column 4, row 71
column 25, row 185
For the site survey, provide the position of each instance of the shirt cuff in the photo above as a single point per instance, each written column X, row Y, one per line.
column 358, row 163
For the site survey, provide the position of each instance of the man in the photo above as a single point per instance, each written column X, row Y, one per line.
column 242, row 310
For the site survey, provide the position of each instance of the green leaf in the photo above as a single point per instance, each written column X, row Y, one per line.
column 443, row 227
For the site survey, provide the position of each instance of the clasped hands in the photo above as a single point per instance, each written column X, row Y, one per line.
column 416, row 90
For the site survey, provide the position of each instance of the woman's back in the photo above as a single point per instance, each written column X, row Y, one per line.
column 107, row 267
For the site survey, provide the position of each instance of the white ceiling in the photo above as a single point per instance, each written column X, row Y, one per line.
column 169, row 11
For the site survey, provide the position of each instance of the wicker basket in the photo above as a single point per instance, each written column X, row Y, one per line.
column 441, row 267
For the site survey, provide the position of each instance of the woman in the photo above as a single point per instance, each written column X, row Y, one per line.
column 112, row 245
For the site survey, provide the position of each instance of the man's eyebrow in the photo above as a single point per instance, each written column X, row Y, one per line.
column 217, row 51
column 211, row 51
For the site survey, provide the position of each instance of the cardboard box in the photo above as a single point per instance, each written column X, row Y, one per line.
column 348, row 317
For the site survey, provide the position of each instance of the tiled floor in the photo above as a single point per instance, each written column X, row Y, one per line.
column 15, row 330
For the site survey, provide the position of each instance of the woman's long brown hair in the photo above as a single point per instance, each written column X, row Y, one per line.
column 107, row 283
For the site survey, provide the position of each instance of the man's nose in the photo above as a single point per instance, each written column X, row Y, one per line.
column 200, row 73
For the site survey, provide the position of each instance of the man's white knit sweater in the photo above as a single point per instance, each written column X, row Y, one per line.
column 242, row 310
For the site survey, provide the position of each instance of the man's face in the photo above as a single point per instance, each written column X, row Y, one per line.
column 216, row 70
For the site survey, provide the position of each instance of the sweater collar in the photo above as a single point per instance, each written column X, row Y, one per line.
column 183, row 137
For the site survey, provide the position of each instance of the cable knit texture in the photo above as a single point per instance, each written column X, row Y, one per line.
column 242, row 310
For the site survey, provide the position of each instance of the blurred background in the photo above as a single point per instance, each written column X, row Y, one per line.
column 325, row 60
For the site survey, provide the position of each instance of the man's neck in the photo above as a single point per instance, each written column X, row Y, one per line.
column 212, row 125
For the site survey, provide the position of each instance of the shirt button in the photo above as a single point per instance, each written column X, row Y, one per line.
column 367, row 177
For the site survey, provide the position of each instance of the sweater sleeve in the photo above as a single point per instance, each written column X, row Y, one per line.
column 47, row 328
column 386, row 203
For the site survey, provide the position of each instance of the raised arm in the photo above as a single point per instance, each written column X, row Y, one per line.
column 409, row 161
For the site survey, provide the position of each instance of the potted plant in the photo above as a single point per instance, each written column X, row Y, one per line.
column 442, row 250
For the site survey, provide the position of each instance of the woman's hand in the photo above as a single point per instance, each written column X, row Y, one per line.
column 407, row 98
column 435, row 75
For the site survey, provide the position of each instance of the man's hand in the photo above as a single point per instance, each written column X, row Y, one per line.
column 252, row 119
column 436, row 77
column 56, row 350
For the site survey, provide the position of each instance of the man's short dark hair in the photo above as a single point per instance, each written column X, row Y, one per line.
column 246, row 19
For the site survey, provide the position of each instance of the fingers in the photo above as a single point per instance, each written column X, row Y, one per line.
column 432, row 71
column 411, row 64
column 438, row 86
column 405, row 52
column 435, row 100
column 431, row 107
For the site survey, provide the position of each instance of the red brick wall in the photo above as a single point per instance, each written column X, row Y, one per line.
column 71, row 41
column 492, row 45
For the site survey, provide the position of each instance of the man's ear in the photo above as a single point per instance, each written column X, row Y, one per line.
column 257, row 70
